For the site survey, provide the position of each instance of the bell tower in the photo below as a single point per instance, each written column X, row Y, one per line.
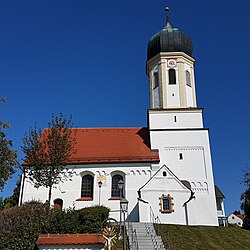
column 170, row 69
column 175, row 122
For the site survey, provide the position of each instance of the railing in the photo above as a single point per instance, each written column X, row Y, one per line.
column 157, row 226
column 154, row 219
column 134, row 241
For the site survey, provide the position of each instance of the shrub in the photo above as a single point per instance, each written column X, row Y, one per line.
column 20, row 226
column 62, row 222
column 91, row 218
column 86, row 220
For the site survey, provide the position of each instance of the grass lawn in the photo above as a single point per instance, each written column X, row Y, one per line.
column 201, row 237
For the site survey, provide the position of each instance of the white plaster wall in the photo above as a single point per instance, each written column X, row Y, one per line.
column 196, row 167
column 173, row 91
column 189, row 90
column 156, row 98
column 69, row 191
column 186, row 165
column 173, row 96
column 233, row 219
column 176, row 217
column 164, row 185
column 167, row 120
column 189, row 96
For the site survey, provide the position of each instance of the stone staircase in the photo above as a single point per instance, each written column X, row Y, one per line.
column 142, row 236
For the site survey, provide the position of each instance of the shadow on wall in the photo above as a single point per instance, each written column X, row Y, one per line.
column 134, row 215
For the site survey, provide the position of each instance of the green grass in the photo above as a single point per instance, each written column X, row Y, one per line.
column 201, row 237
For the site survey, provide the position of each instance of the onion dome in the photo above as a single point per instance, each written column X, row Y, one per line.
column 169, row 40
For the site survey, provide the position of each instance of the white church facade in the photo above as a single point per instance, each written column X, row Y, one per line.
column 166, row 168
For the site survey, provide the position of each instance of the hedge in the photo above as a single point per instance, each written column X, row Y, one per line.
column 86, row 220
column 20, row 226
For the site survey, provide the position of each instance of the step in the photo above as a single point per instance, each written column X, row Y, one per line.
column 146, row 237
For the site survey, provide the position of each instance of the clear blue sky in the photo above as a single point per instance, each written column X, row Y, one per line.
column 87, row 58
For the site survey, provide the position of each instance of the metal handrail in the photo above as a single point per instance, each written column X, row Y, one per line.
column 153, row 219
column 134, row 239
column 133, row 235
column 156, row 222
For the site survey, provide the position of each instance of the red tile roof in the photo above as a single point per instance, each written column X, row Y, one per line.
column 70, row 239
column 239, row 215
column 105, row 145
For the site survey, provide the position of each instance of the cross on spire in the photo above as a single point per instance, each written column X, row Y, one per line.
column 168, row 25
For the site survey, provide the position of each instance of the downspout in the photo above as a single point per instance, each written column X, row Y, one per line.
column 21, row 191
column 185, row 205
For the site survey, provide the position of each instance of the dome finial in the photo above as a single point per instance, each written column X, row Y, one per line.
column 168, row 25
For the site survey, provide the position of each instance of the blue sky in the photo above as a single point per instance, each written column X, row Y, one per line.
column 87, row 58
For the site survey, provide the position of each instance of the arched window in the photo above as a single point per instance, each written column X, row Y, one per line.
column 156, row 79
column 188, row 78
column 172, row 76
column 87, row 186
column 115, row 190
column 58, row 203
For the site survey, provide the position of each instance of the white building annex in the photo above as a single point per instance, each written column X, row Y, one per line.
column 166, row 168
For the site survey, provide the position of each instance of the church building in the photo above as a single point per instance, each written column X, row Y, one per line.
column 164, row 170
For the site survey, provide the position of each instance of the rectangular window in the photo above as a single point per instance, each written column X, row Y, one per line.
column 165, row 204
column 180, row 156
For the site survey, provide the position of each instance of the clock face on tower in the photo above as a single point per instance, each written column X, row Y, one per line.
column 172, row 63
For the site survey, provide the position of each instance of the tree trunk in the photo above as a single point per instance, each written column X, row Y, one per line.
column 50, row 192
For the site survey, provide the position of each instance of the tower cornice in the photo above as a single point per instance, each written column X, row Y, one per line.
column 169, row 55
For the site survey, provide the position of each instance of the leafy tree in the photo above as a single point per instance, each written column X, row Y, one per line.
column 245, row 197
column 1, row 203
column 8, row 157
column 48, row 152
column 11, row 201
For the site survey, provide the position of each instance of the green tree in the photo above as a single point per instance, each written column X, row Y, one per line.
column 8, row 157
column 49, row 152
column 245, row 197
column 12, row 201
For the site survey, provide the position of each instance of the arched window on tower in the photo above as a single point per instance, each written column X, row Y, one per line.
column 188, row 79
column 87, row 186
column 116, row 192
column 156, row 80
column 172, row 76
